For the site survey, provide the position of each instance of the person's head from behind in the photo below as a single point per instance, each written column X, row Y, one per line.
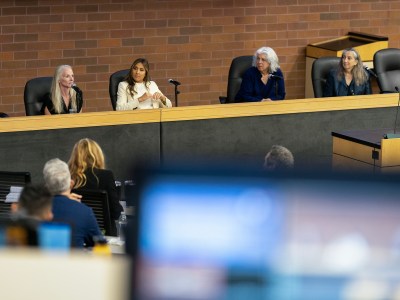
column 86, row 154
column 278, row 158
column 266, row 60
column 139, row 72
column 57, row 177
column 35, row 201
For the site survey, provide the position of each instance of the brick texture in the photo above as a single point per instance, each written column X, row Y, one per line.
column 190, row 41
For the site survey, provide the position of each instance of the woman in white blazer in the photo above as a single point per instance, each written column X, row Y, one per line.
column 137, row 91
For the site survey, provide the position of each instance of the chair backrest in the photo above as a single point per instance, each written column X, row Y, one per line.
column 98, row 201
column 239, row 66
column 34, row 91
column 115, row 79
column 8, row 179
column 387, row 68
column 320, row 71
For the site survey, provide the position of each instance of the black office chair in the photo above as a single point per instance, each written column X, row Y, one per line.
column 239, row 66
column 34, row 91
column 320, row 71
column 8, row 179
column 98, row 201
column 387, row 69
column 115, row 79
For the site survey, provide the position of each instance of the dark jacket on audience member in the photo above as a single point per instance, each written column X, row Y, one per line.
column 104, row 181
column 335, row 87
column 81, row 218
column 253, row 89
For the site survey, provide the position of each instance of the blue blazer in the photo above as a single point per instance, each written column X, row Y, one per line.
column 335, row 87
column 80, row 217
column 253, row 89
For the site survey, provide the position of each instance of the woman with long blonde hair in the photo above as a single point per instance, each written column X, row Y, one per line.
column 65, row 97
column 87, row 167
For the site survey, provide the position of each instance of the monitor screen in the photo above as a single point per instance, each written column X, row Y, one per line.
column 54, row 236
column 227, row 236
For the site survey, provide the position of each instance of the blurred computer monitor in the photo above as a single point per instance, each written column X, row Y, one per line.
column 240, row 235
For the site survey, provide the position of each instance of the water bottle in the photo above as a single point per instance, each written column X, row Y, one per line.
column 121, row 225
column 129, row 189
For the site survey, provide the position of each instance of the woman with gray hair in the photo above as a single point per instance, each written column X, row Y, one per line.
column 264, row 80
column 349, row 78
column 65, row 97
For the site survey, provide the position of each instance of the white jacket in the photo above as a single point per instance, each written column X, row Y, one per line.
column 125, row 101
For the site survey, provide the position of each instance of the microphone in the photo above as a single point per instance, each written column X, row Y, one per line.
column 394, row 134
column 174, row 82
column 77, row 90
column 275, row 76
column 370, row 72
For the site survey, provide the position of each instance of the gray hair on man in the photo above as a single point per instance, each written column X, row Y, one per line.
column 279, row 158
column 57, row 176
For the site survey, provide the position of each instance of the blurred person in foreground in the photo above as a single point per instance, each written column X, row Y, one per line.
column 278, row 159
column 264, row 80
column 35, row 202
column 64, row 97
column 138, row 91
column 81, row 218
column 33, row 207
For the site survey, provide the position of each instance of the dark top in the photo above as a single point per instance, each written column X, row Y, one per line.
column 80, row 217
column 253, row 89
column 335, row 87
column 65, row 110
column 104, row 181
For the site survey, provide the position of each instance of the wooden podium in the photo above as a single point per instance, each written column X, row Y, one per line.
column 365, row 150
column 365, row 44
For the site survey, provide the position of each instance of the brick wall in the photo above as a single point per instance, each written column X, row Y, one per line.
column 190, row 41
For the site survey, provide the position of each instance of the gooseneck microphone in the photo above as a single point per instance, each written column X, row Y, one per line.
column 174, row 82
column 370, row 72
column 275, row 76
column 397, row 110
column 77, row 90
column 394, row 134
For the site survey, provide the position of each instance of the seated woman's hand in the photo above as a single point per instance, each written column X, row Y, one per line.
column 159, row 96
column 75, row 197
column 145, row 96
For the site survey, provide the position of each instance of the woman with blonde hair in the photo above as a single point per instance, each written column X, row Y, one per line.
column 87, row 167
column 65, row 97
